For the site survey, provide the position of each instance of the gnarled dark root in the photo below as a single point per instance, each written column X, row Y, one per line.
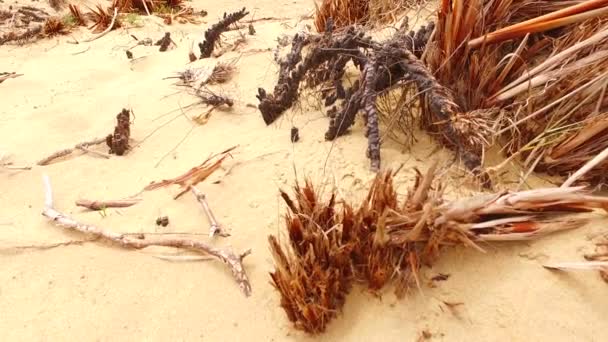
column 327, row 49
column 383, row 65
column 214, row 32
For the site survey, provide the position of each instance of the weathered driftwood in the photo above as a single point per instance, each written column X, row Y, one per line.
column 227, row 256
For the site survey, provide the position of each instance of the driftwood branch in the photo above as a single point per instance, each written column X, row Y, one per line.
column 215, row 228
column 227, row 256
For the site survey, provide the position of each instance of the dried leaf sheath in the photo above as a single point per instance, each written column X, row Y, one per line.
column 313, row 273
column 329, row 247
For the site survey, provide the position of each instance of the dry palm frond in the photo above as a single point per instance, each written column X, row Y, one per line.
column 498, row 55
column 313, row 271
column 77, row 15
column 329, row 247
column 350, row 12
column 53, row 26
column 342, row 13
column 195, row 175
column 565, row 16
column 101, row 19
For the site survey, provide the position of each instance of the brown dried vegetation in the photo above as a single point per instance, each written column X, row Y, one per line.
column 101, row 18
column 330, row 247
column 79, row 18
column 342, row 12
column 53, row 26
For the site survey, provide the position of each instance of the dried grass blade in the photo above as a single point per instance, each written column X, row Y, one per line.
column 578, row 265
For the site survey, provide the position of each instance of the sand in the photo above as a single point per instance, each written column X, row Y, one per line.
column 70, row 93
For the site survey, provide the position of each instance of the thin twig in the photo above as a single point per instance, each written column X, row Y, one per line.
column 215, row 228
column 578, row 265
column 227, row 256
column 99, row 154
column 181, row 141
column 80, row 52
column 8, row 75
column 50, row 245
column 62, row 153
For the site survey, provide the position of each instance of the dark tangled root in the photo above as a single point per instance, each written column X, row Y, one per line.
column 214, row 32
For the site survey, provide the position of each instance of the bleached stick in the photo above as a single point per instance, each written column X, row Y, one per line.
column 586, row 168
column 227, row 256
column 215, row 228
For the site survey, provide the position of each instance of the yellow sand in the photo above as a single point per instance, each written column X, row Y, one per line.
column 71, row 93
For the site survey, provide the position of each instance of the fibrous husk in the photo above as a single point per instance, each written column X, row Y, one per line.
column 118, row 142
column 328, row 247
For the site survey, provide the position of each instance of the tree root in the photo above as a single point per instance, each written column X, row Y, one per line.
column 326, row 49
column 383, row 65
column 214, row 32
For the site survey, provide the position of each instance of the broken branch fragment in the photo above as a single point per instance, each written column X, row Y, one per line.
column 226, row 256
column 101, row 205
